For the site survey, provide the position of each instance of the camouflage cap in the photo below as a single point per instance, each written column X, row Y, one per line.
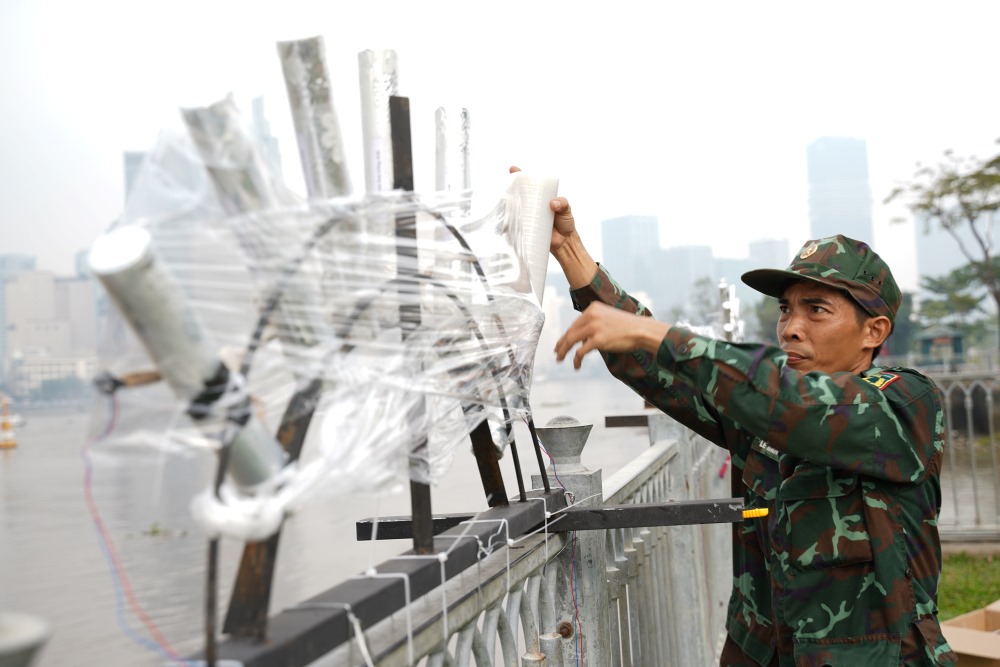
column 839, row 262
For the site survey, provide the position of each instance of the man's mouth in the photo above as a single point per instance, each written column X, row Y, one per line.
column 794, row 357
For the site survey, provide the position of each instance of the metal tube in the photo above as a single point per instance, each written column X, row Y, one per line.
column 317, row 131
column 452, row 171
column 155, row 307
column 241, row 180
column 379, row 81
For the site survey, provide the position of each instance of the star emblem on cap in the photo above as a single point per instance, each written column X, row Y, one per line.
column 809, row 252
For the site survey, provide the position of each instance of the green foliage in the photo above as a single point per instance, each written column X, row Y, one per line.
column 968, row 582
column 765, row 314
column 706, row 304
column 960, row 194
column 956, row 300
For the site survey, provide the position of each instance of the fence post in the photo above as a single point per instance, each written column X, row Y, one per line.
column 584, row 595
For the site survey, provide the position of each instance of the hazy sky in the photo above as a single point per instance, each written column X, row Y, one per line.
column 699, row 113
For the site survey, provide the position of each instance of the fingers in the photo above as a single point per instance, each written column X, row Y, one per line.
column 571, row 337
column 585, row 331
column 560, row 205
column 514, row 169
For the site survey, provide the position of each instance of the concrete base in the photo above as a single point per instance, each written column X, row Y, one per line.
column 21, row 637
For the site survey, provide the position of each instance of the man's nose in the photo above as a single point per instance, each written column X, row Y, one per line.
column 793, row 327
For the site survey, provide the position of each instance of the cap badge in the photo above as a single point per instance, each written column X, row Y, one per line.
column 809, row 252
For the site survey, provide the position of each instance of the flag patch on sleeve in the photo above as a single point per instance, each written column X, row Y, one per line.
column 881, row 380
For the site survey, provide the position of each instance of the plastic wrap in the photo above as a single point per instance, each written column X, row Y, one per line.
column 294, row 300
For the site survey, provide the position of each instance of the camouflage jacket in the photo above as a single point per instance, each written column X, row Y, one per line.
column 844, row 569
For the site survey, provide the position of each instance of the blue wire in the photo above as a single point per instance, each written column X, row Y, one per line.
column 129, row 632
column 126, row 629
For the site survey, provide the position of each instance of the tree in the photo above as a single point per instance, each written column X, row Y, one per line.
column 956, row 300
column 766, row 314
column 706, row 303
column 956, row 194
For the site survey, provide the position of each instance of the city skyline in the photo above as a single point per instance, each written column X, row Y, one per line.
column 696, row 116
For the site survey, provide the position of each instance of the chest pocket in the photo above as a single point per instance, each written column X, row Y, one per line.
column 824, row 518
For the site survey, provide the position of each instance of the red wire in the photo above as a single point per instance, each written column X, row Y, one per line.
column 576, row 609
column 112, row 552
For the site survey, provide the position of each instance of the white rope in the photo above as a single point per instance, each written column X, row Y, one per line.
column 442, row 558
column 504, row 526
column 372, row 574
column 354, row 620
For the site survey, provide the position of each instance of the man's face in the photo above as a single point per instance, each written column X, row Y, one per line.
column 818, row 329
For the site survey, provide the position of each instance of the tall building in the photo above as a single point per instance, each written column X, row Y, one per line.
column 51, row 326
column 267, row 143
column 840, row 198
column 10, row 266
column 631, row 246
column 680, row 268
column 132, row 162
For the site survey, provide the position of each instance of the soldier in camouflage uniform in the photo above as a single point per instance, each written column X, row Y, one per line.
column 846, row 456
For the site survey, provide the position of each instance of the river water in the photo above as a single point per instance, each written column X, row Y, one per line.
column 116, row 561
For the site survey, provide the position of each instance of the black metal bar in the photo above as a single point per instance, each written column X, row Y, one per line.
column 648, row 515
column 211, row 601
column 626, row 420
column 401, row 527
column 538, row 453
column 304, row 633
column 678, row 513
column 402, row 147
column 489, row 467
column 522, row 496
column 251, row 596
column 409, row 309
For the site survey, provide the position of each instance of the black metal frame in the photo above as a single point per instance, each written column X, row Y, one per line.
column 316, row 626
column 579, row 517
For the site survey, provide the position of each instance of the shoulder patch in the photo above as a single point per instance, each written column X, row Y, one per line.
column 880, row 380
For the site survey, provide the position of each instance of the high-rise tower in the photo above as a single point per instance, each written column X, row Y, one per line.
column 631, row 244
column 840, row 198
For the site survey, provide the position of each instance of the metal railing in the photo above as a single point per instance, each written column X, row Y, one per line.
column 628, row 596
column 621, row 596
column 970, row 479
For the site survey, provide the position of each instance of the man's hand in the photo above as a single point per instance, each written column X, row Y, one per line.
column 602, row 327
column 564, row 225
column 567, row 246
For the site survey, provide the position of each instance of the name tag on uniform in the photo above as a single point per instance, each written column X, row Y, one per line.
column 880, row 380
column 765, row 449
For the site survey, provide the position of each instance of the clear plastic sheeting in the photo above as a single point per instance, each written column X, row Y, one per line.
column 292, row 304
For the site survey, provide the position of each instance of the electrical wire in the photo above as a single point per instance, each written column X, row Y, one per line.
column 124, row 594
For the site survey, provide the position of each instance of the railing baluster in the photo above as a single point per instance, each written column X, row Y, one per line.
column 508, row 641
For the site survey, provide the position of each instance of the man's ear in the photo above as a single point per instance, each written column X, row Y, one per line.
column 877, row 329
